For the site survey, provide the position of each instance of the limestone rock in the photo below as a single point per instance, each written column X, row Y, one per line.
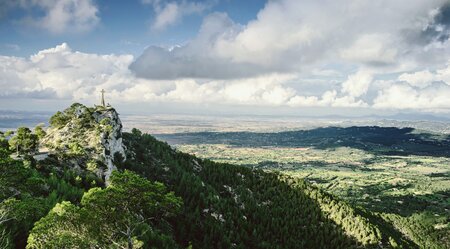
column 90, row 137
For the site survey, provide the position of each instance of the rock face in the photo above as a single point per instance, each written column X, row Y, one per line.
column 111, row 140
column 89, row 138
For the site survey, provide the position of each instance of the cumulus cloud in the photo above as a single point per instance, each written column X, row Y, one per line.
column 295, row 36
column 397, row 47
column 373, row 49
column 400, row 96
column 168, row 13
column 419, row 79
column 422, row 90
column 197, row 59
column 357, row 84
column 372, row 54
column 59, row 16
column 425, row 78
column 62, row 73
column 328, row 99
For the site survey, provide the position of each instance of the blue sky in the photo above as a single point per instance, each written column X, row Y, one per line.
column 124, row 27
column 278, row 56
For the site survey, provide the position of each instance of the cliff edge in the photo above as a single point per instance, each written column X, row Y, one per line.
column 88, row 137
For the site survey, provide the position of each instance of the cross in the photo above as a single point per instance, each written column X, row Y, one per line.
column 103, row 97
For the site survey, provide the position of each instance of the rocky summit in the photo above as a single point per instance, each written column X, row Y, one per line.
column 87, row 137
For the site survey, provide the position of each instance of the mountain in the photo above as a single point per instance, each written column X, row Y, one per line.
column 161, row 198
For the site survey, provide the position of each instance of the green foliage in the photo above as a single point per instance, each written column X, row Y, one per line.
column 130, row 211
column 118, row 158
column 65, row 224
column 5, row 239
column 92, row 166
column 24, row 212
column 228, row 205
column 75, row 149
column 27, row 194
column 162, row 198
column 76, row 112
column 24, row 141
column 39, row 131
column 4, row 140
column 59, row 119
column 358, row 164
column 419, row 229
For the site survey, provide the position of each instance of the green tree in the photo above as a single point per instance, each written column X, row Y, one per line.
column 24, row 141
column 3, row 140
column 39, row 131
column 67, row 225
column 4, row 234
column 123, row 214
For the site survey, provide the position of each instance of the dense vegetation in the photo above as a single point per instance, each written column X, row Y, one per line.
column 162, row 198
column 401, row 178
column 28, row 190
column 130, row 212
column 232, row 206
column 224, row 206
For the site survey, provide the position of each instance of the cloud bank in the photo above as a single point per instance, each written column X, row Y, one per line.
column 61, row 73
column 389, row 55
column 291, row 36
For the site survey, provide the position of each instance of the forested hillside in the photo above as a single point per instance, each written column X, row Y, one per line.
column 232, row 206
column 162, row 198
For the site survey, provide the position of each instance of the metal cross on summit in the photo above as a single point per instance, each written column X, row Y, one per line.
column 103, row 97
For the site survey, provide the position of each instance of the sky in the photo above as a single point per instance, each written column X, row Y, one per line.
column 300, row 57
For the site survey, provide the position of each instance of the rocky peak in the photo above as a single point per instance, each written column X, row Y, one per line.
column 89, row 137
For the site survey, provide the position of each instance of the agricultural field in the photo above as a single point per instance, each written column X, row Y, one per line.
column 369, row 180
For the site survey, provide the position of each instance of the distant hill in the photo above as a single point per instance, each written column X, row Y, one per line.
column 375, row 139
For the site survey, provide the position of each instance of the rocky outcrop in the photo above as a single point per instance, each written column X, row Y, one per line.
column 111, row 138
column 90, row 138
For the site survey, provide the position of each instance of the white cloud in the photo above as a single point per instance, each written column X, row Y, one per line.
column 425, row 78
column 198, row 59
column 168, row 13
column 373, row 49
column 62, row 16
column 292, row 36
column 357, row 84
column 62, row 73
column 444, row 74
column 329, row 98
column 400, row 96
column 419, row 79
column 381, row 39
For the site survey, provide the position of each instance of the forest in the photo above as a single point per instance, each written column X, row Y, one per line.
column 401, row 174
column 199, row 203
column 160, row 197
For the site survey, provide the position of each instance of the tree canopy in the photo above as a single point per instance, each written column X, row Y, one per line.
column 24, row 141
column 129, row 213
